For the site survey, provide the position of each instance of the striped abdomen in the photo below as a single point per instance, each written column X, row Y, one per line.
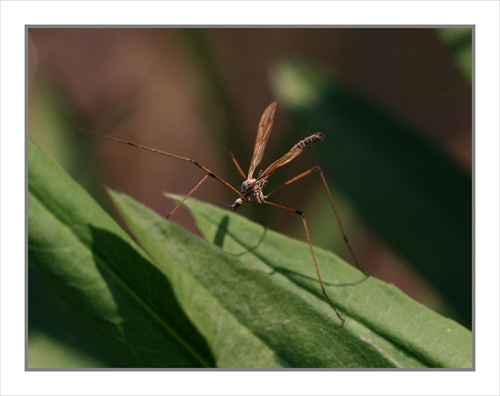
column 316, row 137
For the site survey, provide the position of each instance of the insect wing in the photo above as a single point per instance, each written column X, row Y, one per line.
column 292, row 154
column 263, row 132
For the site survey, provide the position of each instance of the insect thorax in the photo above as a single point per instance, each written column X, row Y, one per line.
column 252, row 188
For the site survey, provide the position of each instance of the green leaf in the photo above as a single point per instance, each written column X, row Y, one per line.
column 258, row 303
column 99, row 270
column 49, row 352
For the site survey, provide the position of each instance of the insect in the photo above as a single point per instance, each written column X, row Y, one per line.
column 252, row 187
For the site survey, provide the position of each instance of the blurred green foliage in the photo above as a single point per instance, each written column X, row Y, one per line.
column 459, row 42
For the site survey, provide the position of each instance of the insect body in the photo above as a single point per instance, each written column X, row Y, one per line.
column 251, row 188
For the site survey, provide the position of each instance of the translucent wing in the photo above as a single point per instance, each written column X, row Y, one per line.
column 294, row 152
column 263, row 132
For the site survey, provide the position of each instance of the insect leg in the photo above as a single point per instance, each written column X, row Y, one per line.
column 237, row 165
column 165, row 153
column 313, row 255
column 332, row 204
column 187, row 196
column 339, row 221
column 294, row 179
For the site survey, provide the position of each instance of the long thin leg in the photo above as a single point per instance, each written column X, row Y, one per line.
column 238, row 167
column 187, row 196
column 332, row 204
column 179, row 157
column 294, row 179
column 316, row 265
column 339, row 221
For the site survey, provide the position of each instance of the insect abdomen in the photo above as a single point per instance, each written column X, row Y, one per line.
column 316, row 137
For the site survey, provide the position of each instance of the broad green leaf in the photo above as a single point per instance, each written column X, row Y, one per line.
column 417, row 331
column 406, row 190
column 258, row 303
column 98, row 269
column 46, row 352
column 58, row 337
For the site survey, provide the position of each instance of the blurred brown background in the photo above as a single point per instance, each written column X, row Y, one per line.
column 200, row 93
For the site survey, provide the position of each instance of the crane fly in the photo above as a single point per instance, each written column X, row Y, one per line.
column 251, row 188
